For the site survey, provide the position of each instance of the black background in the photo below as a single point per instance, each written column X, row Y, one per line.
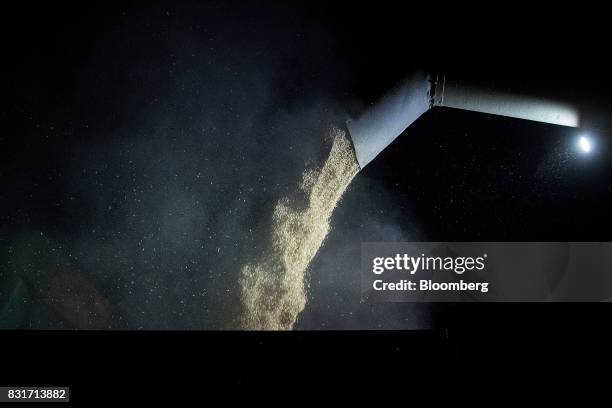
column 465, row 186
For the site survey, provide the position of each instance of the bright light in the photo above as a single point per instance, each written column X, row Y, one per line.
column 585, row 144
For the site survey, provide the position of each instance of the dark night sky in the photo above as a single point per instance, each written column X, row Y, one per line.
column 150, row 143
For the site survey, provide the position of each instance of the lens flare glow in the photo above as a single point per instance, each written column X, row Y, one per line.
column 584, row 144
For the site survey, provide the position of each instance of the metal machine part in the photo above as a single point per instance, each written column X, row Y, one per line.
column 378, row 126
column 382, row 123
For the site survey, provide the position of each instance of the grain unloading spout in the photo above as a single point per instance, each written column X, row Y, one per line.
column 383, row 122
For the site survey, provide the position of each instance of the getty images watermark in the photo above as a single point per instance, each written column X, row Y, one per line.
column 411, row 265
column 486, row 271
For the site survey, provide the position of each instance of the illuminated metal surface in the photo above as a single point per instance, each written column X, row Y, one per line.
column 379, row 125
column 389, row 117
column 461, row 95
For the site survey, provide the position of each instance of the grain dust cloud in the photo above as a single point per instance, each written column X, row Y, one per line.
column 274, row 289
